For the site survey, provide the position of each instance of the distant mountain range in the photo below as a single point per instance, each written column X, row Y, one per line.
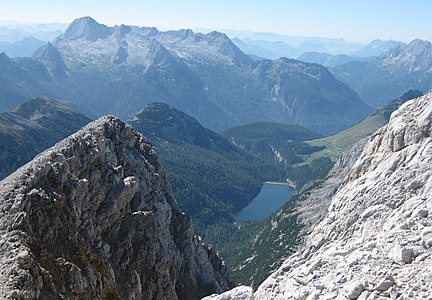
column 390, row 74
column 20, row 40
column 263, row 49
column 330, row 45
column 329, row 60
column 11, row 32
column 376, row 47
column 23, row 48
column 275, row 46
column 32, row 127
column 117, row 70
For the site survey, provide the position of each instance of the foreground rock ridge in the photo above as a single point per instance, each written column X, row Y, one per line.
column 375, row 241
column 93, row 218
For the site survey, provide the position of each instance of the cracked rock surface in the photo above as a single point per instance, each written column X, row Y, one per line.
column 93, row 218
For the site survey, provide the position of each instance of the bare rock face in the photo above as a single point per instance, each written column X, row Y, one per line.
column 94, row 218
column 314, row 203
column 238, row 293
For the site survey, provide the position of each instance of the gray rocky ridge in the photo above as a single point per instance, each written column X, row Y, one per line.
column 93, row 218
column 313, row 204
column 375, row 241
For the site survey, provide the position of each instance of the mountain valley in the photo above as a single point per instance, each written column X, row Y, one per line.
column 129, row 154
column 211, row 178
column 374, row 239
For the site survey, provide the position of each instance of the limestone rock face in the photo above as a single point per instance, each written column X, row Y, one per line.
column 238, row 293
column 314, row 203
column 375, row 240
column 94, row 218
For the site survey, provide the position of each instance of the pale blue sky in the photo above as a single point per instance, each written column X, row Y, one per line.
column 353, row 20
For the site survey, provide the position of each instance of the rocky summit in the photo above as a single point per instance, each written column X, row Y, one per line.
column 93, row 218
column 375, row 241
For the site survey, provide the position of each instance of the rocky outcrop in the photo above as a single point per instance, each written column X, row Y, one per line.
column 238, row 293
column 94, row 217
column 375, row 241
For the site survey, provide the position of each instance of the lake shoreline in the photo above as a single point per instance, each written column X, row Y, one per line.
column 272, row 196
column 289, row 183
column 278, row 182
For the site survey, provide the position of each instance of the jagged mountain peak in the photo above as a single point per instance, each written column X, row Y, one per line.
column 218, row 35
column 102, row 222
column 4, row 58
column 185, row 33
column 228, row 48
column 208, row 47
column 87, row 28
column 46, row 50
column 157, row 53
column 403, row 67
column 415, row 47
column 51, row 58
column 377, row 47
column 419, row 44
column 122, row 30
column 411, row 58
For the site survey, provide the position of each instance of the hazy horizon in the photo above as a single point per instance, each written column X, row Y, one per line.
column 362, row 21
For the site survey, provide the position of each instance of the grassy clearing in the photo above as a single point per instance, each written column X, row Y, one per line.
column 337, row 144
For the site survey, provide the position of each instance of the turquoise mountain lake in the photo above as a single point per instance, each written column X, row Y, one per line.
column 271, row 197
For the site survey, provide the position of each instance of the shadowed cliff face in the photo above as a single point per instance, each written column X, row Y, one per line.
column 94, row 217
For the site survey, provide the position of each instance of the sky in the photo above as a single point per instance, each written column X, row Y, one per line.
column 353, row 20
